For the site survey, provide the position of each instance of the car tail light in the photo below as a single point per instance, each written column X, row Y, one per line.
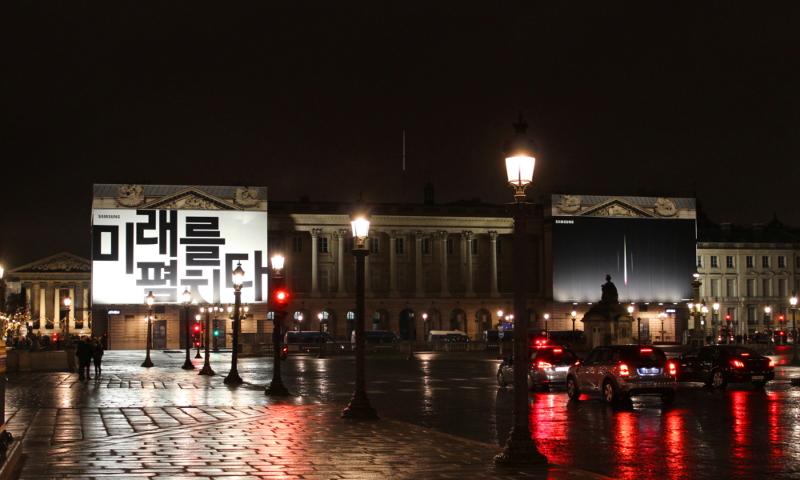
column 672, row 368
column 557, row 350
column 623, row 370
column 744, row 354
column 771, row 363
column 645, row 350
column 543, row 365
column 737, row 363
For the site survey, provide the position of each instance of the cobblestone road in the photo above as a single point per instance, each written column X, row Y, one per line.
column 168, row 423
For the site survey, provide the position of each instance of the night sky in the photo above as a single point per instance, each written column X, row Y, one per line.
column 621, row 98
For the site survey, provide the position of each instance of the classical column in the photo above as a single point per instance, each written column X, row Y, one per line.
column 85, row 306
column 442, row 235
column 467, row 241
column 420, row 289
column 71, row 313
column 393, row 264
column 41, row 296
column 56, row 307
column 28, row 300
column 493, row 261
column 341, row 235
column 315, row 232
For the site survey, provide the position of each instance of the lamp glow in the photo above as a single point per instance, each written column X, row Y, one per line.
column 519, row 169
column 278, row 261
column 187, row 296
column 150, row 299
column 238, row 276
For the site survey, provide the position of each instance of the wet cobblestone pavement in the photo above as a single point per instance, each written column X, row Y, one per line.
column 442, row 417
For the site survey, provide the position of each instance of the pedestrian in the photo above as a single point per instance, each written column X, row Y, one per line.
column 97, row 356
column 84, row 353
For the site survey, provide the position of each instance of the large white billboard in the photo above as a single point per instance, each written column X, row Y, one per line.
column 167, row 251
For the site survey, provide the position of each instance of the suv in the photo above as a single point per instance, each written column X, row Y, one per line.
column 549, row 365
column 617, row 372
column 717, row 365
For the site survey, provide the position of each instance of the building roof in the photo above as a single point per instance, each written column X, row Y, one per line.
column 773, row 232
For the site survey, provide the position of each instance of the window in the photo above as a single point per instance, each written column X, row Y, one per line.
column 765, row 261
column 730, row 287
column 749, row 261
column 374, row 245
column 426, row 246
column 751, row 287
column 765, row 290
column 714, row 262
column 324, row 280
column 449, row 246
column 699, row 261
column 781, row 287
column 297, row 244
column 474, row 246
column 322, row 244
column 751, row 314
column 781, row 261
column 399, row 246
column 351, row 315
column 729, row 261
column 715, row 287
column 270, row 315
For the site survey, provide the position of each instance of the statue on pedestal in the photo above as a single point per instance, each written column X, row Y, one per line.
column 610, row 294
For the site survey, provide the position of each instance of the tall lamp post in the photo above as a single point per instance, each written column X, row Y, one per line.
column 149, row 300
column 359, row 406
column 187, row 299
column 207, row 370
column 520, row 449
column 279, row 299
column 197, row 319
column 67, row 305
column 715, row 323
column 662, row 316
column 546, row 318
column 767, row 317
column 630, row 309
column 793, row 307
column 573, row 315
column 233, row 377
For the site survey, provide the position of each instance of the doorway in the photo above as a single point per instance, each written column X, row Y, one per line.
column 159, row 334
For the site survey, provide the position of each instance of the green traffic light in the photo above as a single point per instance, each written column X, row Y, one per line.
column 216, row 333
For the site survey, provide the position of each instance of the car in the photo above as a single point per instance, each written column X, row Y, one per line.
column 718, row 365
column 548, row 367
column 447, row 336
column 305, row 341
column 618, row 372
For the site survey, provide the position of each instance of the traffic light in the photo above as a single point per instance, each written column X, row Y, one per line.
column 216, row 332
column 781, row 318
column 280, row 298
column 198, row 328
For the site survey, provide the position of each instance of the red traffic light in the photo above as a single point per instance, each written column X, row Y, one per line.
column 281, row 297
column 197, row 327
column 728, row 317
column 780, row 318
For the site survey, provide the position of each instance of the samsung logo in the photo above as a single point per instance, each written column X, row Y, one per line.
column 108, row 216
column 568, row 222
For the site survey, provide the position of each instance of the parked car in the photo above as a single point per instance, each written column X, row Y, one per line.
column 305, row 341
column 618, row 372
column 548, row 367
column 717, row 365
column 448, row 336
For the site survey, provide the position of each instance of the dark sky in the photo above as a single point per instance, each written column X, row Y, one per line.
column 661, row 99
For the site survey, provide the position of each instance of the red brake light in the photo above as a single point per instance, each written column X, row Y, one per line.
column 737, row 363
column 557, row 350
column 645, row 350
column 673, row 369
column 744, row 354
column 544, row 365
column 623, row 370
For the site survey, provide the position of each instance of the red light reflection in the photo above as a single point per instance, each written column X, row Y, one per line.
column 548, row 424
column 740, row 448
column 626, row 445
column 674, row 443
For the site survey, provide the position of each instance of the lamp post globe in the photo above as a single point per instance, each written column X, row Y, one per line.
column 520, row 163
column 149, row 300
column 359, row 406
column 237, row 277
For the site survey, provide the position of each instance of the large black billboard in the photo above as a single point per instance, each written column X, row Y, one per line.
column 650, row 259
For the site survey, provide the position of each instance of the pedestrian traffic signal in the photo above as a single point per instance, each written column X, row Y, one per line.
column 728, row 317
column 197, row 328
column 216, row 332
column 781, row 318
column 280, row 297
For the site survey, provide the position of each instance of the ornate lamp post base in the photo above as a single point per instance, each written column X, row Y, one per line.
column 188, row 365
column 233, row 378
column 359, row 409
column 520, row 451
column 207, row 370
column 277, row 389
column 147, row 363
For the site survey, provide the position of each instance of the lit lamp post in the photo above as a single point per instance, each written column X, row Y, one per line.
column 662, row 316
column 233, row 377
column 715, row 321
column 520, row 163
column 546, row 318
column 573, row 315
column 359, row 406
column 767, row 317
column 793, row 307
column 187, row 299
column 425, row 329
column 501, row 320
column 279, row 300
column 638, row 324
column 67, row 304
column 149, row 300
column 197, row 319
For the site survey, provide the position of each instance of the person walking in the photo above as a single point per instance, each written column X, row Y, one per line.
column 97, row 356
column 84, row 353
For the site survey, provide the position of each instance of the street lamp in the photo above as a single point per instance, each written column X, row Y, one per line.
column 359, row 406
column 573, row 314
column 520, row 162
column 546, row 318
column 187, row 299
column 662, row 316
column 715, row 320
column 67, row 305
column 278, row 301
column 767, row 317
column 197, row 319
column 793, row 307
column 233, row 377
column 206, row 370
column 149, row 300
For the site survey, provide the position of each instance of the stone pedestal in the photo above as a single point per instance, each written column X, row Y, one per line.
column 607, row 324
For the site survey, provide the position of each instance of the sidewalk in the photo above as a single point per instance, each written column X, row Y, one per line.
column 283, row 440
